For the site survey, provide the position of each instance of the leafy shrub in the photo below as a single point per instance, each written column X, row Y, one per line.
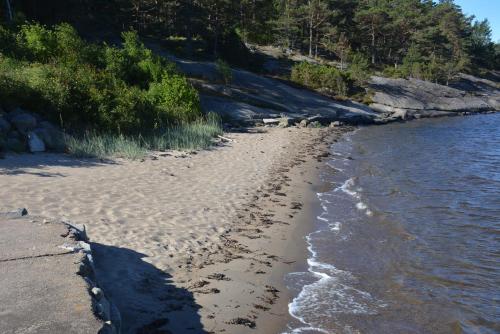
column 321, row 77
column 359, row 68
column 88, row 86
column 37, row 42
column 174, row 98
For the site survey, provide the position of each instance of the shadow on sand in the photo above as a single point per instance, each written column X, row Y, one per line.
column 148, row 301
column 37, row 164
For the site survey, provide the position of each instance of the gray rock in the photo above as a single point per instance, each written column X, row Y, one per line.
column 335, row 124
column 303, row 123
column 253, row 94
column 4, row 126
column 23, row 122
column 400, row 98
column 51, row 136
column 15, row 144
column 314, row 124
column 35, row 143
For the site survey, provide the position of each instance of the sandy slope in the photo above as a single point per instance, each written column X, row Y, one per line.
column 157, row 223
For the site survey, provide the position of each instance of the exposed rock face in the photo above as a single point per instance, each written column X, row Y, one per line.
column 251, row 98
column 403, row 99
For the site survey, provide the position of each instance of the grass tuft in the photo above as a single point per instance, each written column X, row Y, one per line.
column 190, row 136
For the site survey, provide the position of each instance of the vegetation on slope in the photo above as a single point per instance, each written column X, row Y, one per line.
column 128, row 98
column 91, row 86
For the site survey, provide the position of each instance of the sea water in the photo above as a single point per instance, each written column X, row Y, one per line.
column 408, row 236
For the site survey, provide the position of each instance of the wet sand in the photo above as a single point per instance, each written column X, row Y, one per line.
column 187, row 243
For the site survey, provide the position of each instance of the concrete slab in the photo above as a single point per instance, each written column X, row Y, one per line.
column 40, row 288
column 20, row 238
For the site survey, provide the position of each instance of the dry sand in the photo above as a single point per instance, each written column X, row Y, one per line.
column 187, row 243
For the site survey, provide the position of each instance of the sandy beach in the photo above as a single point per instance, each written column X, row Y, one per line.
column 193, row 242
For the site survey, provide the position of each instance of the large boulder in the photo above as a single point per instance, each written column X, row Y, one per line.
column 51, row 136
column 4, row 126
column 23, row 122
column 35, row 144
column 14, row 142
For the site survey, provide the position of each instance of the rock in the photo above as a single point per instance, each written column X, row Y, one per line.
column 23, row 122
column 284, row 122
column 314, row 124
column 97, row 292
column 15, row 144
column 335, row 124
column 4, row 126
column 303, row 123
column 22, row 212
column 271, row 121
column 35, row 143
column 395, row 96
column 51, row 136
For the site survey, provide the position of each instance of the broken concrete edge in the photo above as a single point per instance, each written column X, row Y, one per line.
column 102, row 307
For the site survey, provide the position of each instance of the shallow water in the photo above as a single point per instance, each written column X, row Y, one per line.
column 408, row 238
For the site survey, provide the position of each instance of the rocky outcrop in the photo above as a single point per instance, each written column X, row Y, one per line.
column 250, row 98
column 413, row 98
column 22, row 131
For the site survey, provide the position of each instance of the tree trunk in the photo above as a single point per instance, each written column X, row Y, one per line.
column 9, row 10
column 373, row 43
column 310, row 29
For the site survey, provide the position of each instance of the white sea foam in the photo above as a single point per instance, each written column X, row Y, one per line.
column 361, row 206
column 322, row 219
column 331, row 294
column 335, row 226
column 346, row 188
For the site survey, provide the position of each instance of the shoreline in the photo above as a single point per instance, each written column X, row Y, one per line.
column 255, row 297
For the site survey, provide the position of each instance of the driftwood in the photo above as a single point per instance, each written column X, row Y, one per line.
column 225, row 139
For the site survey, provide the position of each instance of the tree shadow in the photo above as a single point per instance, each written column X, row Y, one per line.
column 37, row 164
column 148, row 300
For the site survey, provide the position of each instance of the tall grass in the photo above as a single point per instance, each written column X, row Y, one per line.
column 199, row 134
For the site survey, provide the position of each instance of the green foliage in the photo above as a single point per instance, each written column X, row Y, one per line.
column 174, row 98
column 359, row 68
column 89, row 86
column 322, row 77
column 224, row 70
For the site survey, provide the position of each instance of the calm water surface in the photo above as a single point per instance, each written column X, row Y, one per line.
column 408, row 238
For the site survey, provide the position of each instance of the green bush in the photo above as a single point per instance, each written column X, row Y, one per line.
column 86, row 86
column 321, row 77
column 359, row 69
column 174, row 98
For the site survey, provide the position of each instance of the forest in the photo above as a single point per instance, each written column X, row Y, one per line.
column 87, row 64
column 421, row 38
